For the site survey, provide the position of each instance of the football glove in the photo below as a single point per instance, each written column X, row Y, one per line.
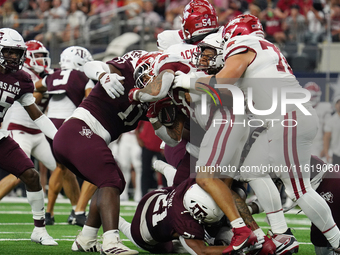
column 111, row 83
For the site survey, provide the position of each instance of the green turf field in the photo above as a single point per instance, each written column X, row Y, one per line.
column 16, row 225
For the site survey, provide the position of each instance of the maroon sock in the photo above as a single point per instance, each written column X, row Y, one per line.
column 39, row 223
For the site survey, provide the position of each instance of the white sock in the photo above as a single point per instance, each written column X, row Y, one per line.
column 317, row 210
column 90, row 231
column 259, row 232
column 74, row 207
column 36, row 200
column 125, row 227
column 78, row 213
column 269, row 198
column 238, row 223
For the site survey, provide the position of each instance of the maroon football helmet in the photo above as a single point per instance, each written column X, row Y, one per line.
column 199, row 18
column 244, row 24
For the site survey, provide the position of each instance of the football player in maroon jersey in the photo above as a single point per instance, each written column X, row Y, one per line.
column 17, row 85
column 81, row 144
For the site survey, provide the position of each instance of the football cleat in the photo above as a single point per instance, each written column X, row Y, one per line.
column 117, row 247
column 71, row 217
column 336, row 250
column 86, row 244
column 286, row 243
column 243, row 237
column 79, row 219
column 49, row 220
column 40, row 235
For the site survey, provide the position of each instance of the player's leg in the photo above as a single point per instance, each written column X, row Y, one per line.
column 124, row 160
column 55, row 186
column 72, row 191
column 218, row 147
column 136, row 157
column 7, row 184
column 86, row 192
column 297, row 182
column 99, row 167
column 17, row 163
column 87, row 238
column 43, row 171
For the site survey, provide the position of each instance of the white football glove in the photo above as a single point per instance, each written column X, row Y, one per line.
column 182, row 80
column 111, row 83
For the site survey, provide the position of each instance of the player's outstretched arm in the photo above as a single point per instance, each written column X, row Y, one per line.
column 154, row 91
column 41, row 120
column 195, row 246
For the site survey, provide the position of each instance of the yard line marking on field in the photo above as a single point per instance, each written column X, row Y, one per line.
column 26, row 223
column 56, row 213
column 15, row 232
column 56, row 239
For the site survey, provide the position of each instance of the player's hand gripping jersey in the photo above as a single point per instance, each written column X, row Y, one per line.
column 120, row 115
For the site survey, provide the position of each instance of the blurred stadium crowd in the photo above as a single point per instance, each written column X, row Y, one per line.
column 95, row 23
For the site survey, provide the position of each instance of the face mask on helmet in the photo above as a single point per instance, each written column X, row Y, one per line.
column 209, row 58
column 244, row 24
column 12, row 50
column 144, row 73
column 37, row 57
column 74, row 57
column 199, row 19
column 315, row 92
column 201, row 206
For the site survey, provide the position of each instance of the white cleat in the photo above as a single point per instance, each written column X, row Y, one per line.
column 117, row 247
column 41, row 236
column 86, row 244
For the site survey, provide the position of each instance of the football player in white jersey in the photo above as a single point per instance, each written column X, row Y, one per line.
column 216, row 141
column 259, row 69
column 199, row 19
column 16, row 85
column 23, row 129
column 324, row 111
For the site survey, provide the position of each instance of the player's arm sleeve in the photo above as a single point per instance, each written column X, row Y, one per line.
column 41, row 120
column 93, row 69
column 26, row 99
column 186, row 246
column 158, row 89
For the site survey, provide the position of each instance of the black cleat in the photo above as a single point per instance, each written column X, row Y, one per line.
column 71, row 217
column 49, row 220
column 79, row 219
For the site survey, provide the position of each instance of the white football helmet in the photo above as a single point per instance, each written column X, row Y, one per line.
column 11, row 42
column 38, row 64
column 216, row 63
column 201, row 205
column 74, row 57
